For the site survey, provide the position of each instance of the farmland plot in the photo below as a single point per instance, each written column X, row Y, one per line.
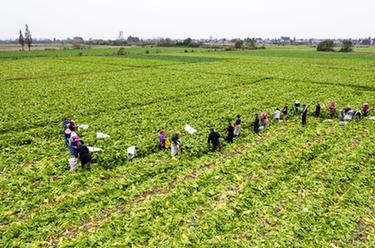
column 289, row 186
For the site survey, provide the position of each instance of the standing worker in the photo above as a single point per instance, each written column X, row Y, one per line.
column 256, row 124
column 213, row 138
column 237, row 130
column 366, row 109
column 296, row 106
column 176, row 144
column 317, row 110
column 304, row 114
column 230, row 132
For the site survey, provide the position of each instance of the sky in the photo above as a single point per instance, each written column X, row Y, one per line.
column 194, row 18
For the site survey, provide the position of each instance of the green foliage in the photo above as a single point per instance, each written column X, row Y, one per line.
column 238, row 43
column 121, row 52
column 347, row 46
column 326, row 46
column 311, row 186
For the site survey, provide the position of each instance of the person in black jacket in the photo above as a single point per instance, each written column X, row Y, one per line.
column 317, row 110
column 84, row 155
column 256, row 124
column 304, row 114
column 230, row 132
column 213, row 138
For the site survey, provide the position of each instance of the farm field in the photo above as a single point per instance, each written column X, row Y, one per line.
column 289, row 186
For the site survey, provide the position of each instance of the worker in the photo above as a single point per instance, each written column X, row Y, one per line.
column 332, row 110
column 230, row 132
column 163, row 139
column 296, row 106
column 317, row 110
column 176, row 144
column 237, row 129
column 67, row 134
column 264, row 119
column 256, row 124
column 366, row 109
column 357, row 114
column 276, row 115
column 214, row 139
column 304, row 114
column 284, row 111
column 72, row 126
column 83, row 153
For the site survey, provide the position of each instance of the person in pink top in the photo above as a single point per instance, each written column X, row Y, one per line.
column 366, row 109
column 332, row 109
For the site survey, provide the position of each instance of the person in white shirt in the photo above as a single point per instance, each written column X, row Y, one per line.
column 276, row 115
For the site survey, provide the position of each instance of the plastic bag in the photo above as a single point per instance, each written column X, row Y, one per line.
column 131, row 152
column 73, row 164
column 343, row 123
column 102, row 136
column 189, row 129
column 83, row 127
column 372, row 118
column 94, row 149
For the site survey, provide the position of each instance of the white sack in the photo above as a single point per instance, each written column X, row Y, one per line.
column 94, row 149
column 73, row 164
column 131, row 152
column 83, row 127
column 102, row 136
column 189, row 129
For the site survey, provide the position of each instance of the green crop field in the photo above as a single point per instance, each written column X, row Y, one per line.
column 289, row 186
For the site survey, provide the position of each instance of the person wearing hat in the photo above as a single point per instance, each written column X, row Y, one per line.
column 83, row 153
column 237, row 129
column 213, row 138
column 175, row 144
column 72, row 126
column 163, row 139
column 67, row 134
column 296, row 106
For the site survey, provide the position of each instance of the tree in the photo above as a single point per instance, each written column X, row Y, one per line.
column 28, row 38
column 21, row 40
column 347, row 46
column 251, row 43
column 326, row 46
column 187, row 42
column 238, row 43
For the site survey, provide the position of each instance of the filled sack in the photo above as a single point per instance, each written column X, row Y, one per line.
column 131, row 152
column 102, row 136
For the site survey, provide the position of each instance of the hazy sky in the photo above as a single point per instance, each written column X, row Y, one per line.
column 194, row 18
